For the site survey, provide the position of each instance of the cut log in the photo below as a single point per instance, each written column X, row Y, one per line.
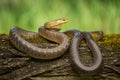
column 16, row 65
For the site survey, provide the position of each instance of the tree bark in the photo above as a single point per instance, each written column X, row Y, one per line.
column 16, row 65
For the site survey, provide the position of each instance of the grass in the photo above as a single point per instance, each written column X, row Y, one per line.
column 85, row 15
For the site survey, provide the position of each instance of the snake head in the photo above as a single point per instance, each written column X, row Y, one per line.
column 55, row 24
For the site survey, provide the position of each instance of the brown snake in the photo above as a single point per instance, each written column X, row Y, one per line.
column 50, row 31
column 74, row 52
column 52, row 35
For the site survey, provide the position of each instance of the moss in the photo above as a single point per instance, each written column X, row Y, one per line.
column 110, row 41
column 35, row 39
column 4, row 40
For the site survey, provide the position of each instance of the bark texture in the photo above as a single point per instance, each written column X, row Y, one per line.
column 15, row 65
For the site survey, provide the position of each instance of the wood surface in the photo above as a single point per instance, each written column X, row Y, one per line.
column 16, row 65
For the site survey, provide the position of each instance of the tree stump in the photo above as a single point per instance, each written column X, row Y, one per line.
column 16, row 65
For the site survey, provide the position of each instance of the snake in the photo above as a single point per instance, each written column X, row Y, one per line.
column 74, row 52
column 48, row 31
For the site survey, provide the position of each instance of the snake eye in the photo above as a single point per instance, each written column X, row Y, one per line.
column 65, row 20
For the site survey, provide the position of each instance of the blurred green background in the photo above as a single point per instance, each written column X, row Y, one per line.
column 85, row 15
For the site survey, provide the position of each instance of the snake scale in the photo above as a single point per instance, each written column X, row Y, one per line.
column 50, row 32
column 75, row 59
column 36, row 52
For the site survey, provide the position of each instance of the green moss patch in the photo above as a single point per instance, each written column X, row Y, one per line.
column 111, row 42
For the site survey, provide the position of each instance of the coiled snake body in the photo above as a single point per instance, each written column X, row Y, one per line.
column 41, row 53
column 50, row 31
column 74, row 53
